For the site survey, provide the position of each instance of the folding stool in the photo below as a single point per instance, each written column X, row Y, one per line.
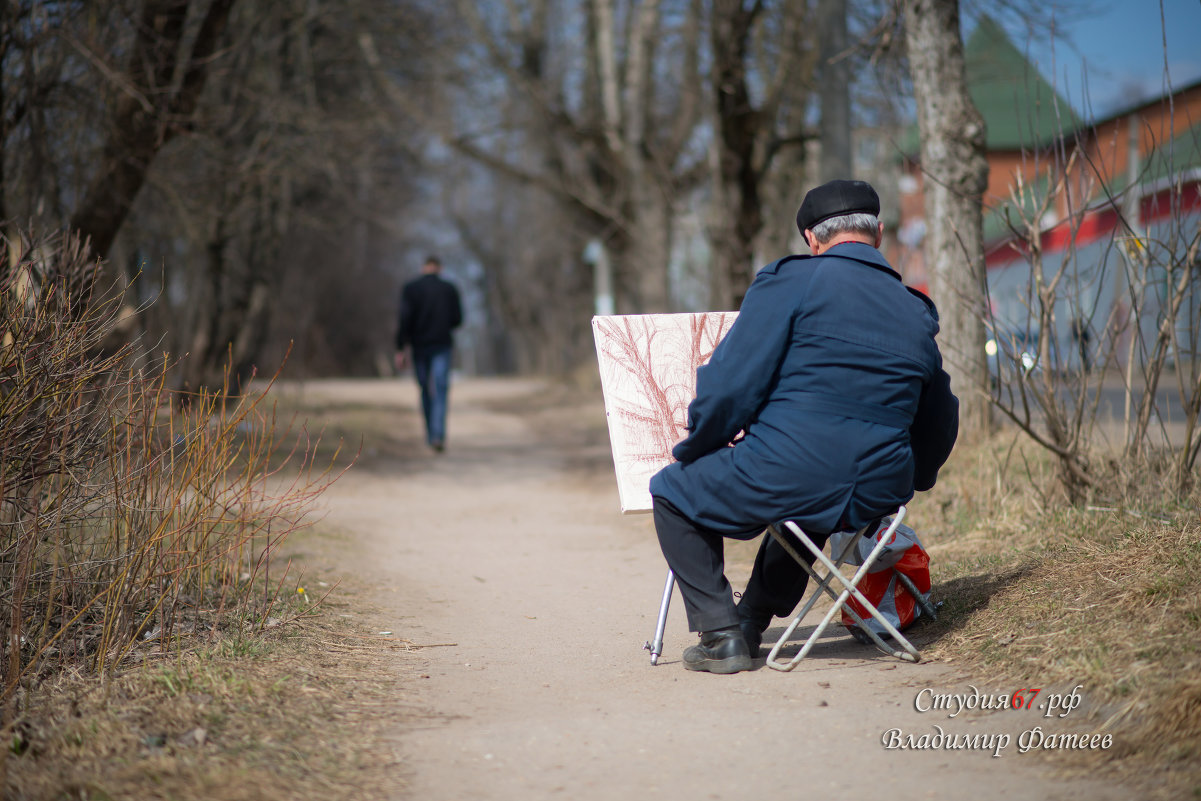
column 850, row 589
column 850, row 549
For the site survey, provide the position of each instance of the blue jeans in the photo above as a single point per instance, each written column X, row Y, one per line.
column 432, row 366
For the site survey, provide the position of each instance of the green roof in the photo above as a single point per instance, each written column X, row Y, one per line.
column 1020, row 108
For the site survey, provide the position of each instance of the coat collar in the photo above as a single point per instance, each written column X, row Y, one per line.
column 866, row 254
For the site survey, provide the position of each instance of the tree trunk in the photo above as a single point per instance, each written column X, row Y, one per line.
column 955, row 177
column 738, row 212
column 642, row 273
column 834, row 89
column 148, row 114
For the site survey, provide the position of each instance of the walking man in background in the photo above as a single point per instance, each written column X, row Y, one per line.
column 430, row 310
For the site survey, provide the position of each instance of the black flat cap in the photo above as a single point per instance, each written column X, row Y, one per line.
column 835, row 199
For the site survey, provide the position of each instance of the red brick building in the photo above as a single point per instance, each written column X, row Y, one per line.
column 1075, row 179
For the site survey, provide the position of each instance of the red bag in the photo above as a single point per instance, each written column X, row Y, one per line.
column 903, row 554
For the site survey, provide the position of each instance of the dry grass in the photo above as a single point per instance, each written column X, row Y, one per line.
column 301, row 712
column 138, row 527
column 126, row 510
column 1044, row 594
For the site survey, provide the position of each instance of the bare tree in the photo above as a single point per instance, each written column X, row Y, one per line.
column 1124, row 304
column 596, row 102
column 219, row 153
column 956, row 174
column 43, row 77
column 160, row 84
column 834, row 89
column 536, row 289
column 763, row 61
column 275, row 160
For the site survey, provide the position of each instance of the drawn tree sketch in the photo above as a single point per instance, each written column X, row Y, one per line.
column 648, row 366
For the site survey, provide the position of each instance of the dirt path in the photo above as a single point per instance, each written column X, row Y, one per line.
column 510, row 547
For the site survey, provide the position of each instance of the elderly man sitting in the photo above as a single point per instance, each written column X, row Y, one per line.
column 832, row 373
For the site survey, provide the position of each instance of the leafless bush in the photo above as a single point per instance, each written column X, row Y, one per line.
column 1088, row 338
column 127, row 517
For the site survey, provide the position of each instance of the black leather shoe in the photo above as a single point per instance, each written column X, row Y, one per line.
column 753, row 624
column 753, row 636
column 721, row 651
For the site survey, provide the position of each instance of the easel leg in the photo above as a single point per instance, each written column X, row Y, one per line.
column 656, row 646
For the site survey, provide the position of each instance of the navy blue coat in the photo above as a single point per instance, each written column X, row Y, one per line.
column 832, row 373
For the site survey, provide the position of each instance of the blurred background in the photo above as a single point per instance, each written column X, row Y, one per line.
column 262, row 175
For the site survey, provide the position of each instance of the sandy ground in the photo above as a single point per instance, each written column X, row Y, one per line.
column 508, row 551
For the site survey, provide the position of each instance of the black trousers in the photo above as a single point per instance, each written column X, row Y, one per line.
column 696, row 556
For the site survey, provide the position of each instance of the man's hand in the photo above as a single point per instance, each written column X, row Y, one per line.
column 401, row 359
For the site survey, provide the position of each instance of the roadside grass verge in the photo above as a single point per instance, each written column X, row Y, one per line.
column 138, row 525
column 295, row 712
column 1038, row 593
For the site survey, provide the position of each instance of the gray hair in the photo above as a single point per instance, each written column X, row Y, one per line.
column 857, row 222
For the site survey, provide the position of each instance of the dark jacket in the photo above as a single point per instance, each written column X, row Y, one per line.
column 429, row 311
column 832, row 373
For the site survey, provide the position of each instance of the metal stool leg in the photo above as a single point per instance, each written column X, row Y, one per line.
column 656, row 645
column 923, row 602
column 910, row 653
column 850, row 590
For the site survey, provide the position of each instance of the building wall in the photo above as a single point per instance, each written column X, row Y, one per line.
column 1151, row 126
column 1103, row 161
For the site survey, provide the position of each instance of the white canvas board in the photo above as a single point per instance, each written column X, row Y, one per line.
column 648, row 368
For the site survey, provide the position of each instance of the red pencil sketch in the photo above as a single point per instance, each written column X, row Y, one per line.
column 648, row 367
